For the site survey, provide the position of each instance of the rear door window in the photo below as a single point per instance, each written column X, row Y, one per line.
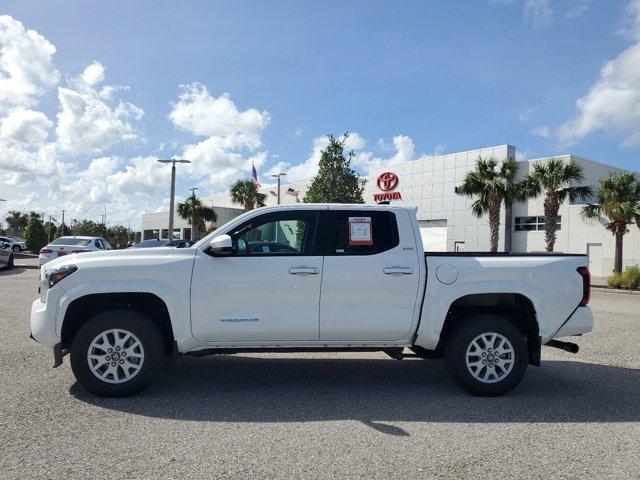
column 356, row 232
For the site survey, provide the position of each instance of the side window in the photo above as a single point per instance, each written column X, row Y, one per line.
column 99, row 244
column 282, row 233
column 357, row 232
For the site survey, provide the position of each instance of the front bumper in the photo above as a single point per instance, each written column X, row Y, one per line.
column 43, row 324
column 581, row 321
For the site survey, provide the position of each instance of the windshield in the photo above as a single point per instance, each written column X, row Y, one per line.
column 83, row 242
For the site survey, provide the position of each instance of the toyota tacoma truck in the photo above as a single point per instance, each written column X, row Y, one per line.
column 323, row 277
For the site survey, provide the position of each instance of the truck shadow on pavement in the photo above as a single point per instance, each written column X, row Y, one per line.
column 374, row 391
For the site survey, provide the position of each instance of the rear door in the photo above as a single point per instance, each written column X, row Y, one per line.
column 371, row 275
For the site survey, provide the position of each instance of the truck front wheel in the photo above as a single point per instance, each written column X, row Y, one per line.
column 116, row 353
column 487, row 355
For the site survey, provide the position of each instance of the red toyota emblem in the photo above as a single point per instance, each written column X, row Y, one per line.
column 387, row 181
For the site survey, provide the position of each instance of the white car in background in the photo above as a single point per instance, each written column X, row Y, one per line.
column 16, row 244
column 66, row 245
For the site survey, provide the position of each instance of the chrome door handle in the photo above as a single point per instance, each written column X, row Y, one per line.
column 304, row 270
column 402, row 270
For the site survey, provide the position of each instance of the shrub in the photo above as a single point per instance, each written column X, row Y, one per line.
column 614, row 280
column 34, row 234
column 630, row 278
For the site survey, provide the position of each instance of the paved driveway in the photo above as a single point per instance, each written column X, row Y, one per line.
column 323, row 415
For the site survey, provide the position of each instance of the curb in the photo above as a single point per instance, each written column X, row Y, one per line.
column 618, row 291
column 27, row 266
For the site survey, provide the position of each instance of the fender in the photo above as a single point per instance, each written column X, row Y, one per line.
column 176, row 300
column 544, row 280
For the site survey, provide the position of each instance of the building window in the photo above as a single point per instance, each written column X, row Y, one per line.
column 529, row 224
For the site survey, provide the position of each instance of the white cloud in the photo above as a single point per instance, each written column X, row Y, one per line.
column 86, row 124
column 538, row 12
column 25, row 126
column 93, row 74
column 26, row 64
column 297, row 133
column 525, row 115
column 543, row 132
column 199, row 113
column 612, row 103
column 577, row 9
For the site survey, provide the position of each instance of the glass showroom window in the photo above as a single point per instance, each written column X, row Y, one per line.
column 529, row 224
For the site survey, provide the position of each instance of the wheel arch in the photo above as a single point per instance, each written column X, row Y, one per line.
column 83, row 308
column 514, row 307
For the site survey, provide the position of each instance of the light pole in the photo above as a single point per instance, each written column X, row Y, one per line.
column 173, row 162
column 278, row 175
column 62, row 229
column 193, row 218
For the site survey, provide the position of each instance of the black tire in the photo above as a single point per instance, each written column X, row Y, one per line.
column 10, row 263
column 461, row 338
column 139, row 325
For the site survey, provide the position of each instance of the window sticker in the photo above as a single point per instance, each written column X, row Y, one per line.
column 360, row 231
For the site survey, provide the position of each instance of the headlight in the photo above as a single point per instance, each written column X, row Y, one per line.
column 54, row 276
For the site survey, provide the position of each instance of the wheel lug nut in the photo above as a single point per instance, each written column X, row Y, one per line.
column 124, row 354
column 107, row 358
column 121, row 362
column 113, row 364
column 110, row 350
column 117, row 349
column 484, row 361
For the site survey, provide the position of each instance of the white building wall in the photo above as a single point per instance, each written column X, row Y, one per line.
column 576, row 234
column 429, row 184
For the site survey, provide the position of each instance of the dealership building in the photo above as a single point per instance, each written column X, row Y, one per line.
column 445, row 218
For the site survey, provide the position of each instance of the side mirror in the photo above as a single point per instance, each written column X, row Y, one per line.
column 221, row 245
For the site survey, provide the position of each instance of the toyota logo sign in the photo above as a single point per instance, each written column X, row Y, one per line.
column 387, row 181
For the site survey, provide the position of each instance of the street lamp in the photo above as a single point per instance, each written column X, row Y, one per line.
column 278, row 175
column 173, row 162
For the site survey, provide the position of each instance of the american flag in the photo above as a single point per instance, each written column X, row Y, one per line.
column 292, row 192
column 273, row 193
column 254, row 175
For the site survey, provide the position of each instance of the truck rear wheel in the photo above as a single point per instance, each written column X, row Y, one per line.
column 487, row 355
column 116, row 353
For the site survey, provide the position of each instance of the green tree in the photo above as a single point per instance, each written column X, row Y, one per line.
column 194, row 212
column 17, row 222
column 336, row 181
column 557, row 181
column 34, row 233
column 618, row 202
column 62, row 231
column 118, row 235
column 87, row 228
column 491, row 183
column 246, row 193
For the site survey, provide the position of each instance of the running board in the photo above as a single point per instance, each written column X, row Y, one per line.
column 566, row 346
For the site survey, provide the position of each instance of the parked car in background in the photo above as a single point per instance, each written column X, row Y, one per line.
column 161, row 242
column 6, row 255
column 67, row 245
column 16, row 244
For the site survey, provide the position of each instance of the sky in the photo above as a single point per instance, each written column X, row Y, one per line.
column 93, row 92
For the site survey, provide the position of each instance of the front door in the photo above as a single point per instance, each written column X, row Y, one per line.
column 267, row 290
column 371, row 276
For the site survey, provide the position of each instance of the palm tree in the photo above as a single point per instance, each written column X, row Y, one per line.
column 245, row 193
column 196, row 214
column 618, row 201
column 555, row 179
column 17, row 222
column 492, row 184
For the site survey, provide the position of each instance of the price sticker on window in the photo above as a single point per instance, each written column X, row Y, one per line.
column 360, row 231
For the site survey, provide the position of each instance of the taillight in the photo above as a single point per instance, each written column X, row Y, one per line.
column 586, row 285
column 45, row 250
column 61, row 253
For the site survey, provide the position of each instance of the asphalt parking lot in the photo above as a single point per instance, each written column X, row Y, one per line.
column 323, row 415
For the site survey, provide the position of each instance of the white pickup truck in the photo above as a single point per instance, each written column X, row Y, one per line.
column 310, row 278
